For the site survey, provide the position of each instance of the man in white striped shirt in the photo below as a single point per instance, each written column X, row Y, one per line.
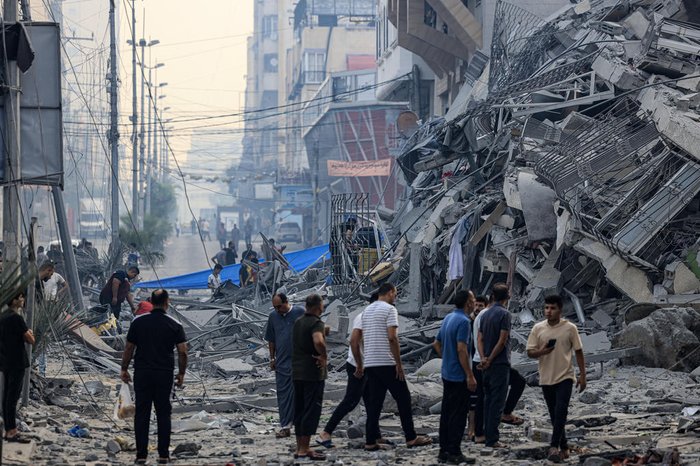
column 380, row 359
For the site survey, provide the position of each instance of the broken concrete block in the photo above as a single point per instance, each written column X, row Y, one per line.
column 538, row 207
column 595, row 343
column 597, row 461
column 232, row 366
column 602, row 318
column 679, row 279
column 637, row 24
column 432, row 367
column 666, row 338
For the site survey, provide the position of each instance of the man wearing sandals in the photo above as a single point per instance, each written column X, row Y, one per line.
column 309, row 360
column 552, row 343
column 14, row 361
column 380, row 359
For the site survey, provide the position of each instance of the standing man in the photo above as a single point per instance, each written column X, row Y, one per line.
column 221, row 235
column 153, row 337
column 552, row 342
column 476, row 410
column 14, row 360
column 236, row 237
column 279, row 339
column 117, row 289
column 309, row 361
column 231, row 254
column 494, row 348
column 458, row 382
column 41, row 256
column 214, row 280
column 206, row 234
column 382, row 362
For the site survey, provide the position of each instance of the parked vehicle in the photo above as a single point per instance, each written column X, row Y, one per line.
column 288, row 232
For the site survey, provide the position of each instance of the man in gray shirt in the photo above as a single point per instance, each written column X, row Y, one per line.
column 279, row 339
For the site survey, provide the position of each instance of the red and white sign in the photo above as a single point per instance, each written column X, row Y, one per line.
column 358, row 169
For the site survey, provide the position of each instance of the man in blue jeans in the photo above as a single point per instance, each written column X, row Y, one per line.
column 494, row 348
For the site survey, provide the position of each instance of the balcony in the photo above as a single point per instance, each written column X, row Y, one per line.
column 342, row 87
column 305, row 78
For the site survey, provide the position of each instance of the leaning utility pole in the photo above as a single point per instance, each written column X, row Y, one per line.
column 149, row 165
column 12, row 225
column 134, row 122
column 114, row 117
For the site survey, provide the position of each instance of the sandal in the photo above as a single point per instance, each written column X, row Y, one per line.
column 283, row 433
column 387, row 442
column 420, row 441
column 163, row 460
column 554, row 455
column 314, row 455
column 325, row 443
column 17, row 439
column 512, row 420
column 375, row 447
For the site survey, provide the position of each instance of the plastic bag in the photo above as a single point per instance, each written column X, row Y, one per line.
column 125, row 408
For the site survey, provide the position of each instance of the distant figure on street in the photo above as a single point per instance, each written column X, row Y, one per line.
column 494, row 350
column 91, row 250
column 279, row 339
column 153, row 337
column 309, row 361
column 248, row 232
column 177, row 229
column 249, row 254
column 193, row 227
column 236, row 237
column 214, row 280
column 552, row 342
column 458, row 381
column 41, row 256
column 219, row 258
column 14, row 361
column 221, row 235
column 117, row 289
column 380, row 358
column 133, row 257
column 206, row 233
column 354, row 391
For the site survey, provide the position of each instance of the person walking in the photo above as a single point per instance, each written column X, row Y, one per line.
column 309, row 361
column 354, row 391
column 14, row 361
column 552, row 343
column 279, row 340
column 236, row 237
column 221, row 234
column 380, row 357
column 458, row 382
column 206, row 232
column 494, row 349
column 153, row 337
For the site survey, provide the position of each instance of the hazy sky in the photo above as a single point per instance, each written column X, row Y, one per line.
column 203, row 47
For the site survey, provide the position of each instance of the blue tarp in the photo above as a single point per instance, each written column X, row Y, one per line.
column 299, row 260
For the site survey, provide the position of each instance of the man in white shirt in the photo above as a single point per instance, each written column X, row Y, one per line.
column 214, row 281
column 380, row 359
column 54, row 287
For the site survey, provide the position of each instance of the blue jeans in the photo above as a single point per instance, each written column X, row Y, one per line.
column 495, row 393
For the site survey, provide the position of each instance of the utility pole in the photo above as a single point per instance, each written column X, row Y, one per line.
column 114, row 128
column 71, row 267
column 31, row 305
column 142, row 142
column 149, row 167
column 134, row 122
column 11, row 192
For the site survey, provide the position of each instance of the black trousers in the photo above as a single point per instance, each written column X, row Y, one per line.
column 12, row 389
column 308, row 401
column 495, row 394
column 517, row 387
column 153, row 388
column 557, row 398
column 478, row 402
column 453, row 416
column 379, row 380
column 354, row 392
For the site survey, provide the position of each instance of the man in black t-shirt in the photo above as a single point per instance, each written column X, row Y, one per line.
column 14, row 360
column 309, row 360
column 153, row 337
column 117, row 289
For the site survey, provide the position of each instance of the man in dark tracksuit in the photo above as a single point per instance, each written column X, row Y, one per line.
column 153, row 337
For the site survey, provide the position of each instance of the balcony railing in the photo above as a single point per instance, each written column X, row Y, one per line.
column 342, row 87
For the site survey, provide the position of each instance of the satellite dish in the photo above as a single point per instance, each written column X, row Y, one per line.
column 407, row 123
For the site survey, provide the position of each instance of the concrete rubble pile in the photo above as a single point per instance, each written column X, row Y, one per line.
column 568, row 164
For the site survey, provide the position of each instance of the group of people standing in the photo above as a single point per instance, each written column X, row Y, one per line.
column 479, row 382
column 480, row 387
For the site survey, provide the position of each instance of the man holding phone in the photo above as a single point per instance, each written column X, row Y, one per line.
column 552, row 342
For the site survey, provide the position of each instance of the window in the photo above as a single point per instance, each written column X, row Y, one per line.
column 314, row 67
column 269, row 27
column 271, row 63
column 430, row 16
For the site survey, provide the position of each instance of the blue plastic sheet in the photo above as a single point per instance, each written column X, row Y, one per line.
column 298, row 260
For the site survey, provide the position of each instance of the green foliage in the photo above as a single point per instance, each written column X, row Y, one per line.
column 157, row 225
